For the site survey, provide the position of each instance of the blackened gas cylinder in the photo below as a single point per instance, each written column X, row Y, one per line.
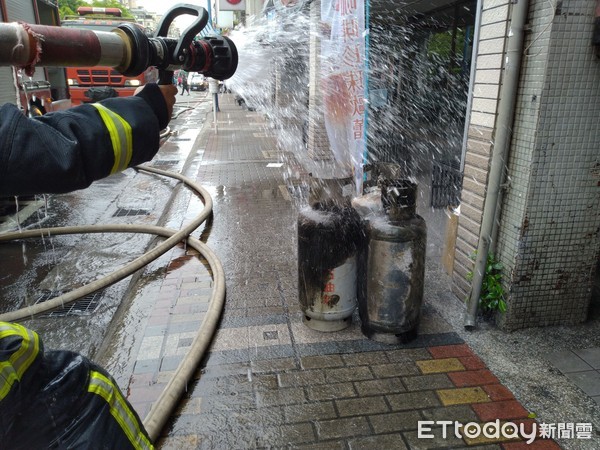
column 391, row 267
column 328, row 238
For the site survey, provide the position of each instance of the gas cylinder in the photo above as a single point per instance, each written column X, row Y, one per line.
column 329, row 232
column 391, row 265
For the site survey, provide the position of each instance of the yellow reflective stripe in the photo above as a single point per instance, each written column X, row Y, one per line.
column 8, row 376
column 102, row 386
column 121, row 137
column 19, row 361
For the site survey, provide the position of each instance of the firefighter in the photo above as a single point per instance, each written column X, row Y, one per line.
column 61, row 399
column 68, row 150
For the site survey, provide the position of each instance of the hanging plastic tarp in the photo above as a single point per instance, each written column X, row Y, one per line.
column 60, row 399
column 343, row 76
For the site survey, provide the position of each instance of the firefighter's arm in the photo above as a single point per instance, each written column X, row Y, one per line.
column 68, row 150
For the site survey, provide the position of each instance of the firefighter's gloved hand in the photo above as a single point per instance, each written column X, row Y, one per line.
column 168, row 91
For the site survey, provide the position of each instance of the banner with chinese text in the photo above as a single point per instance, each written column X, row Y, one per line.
column 343, row 78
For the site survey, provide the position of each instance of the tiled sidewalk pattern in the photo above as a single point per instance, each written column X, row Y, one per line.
column 582, row 367
column 370, row 400
column 179, row 309
column 269, row 381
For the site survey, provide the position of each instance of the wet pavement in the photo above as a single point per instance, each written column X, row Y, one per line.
column 268, row 381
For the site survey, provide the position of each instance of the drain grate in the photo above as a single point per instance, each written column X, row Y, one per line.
column 297, row 192
column 85, row 306
column 123, row 212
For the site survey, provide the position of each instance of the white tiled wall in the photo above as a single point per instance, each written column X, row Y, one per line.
column 490, row 54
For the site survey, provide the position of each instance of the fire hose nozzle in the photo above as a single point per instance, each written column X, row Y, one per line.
column 213, row 56
column 127, row 48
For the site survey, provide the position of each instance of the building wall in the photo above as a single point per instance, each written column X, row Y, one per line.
column 482, row 120
column 549, row 231
column 548, row 234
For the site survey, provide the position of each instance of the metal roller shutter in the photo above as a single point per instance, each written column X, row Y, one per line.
column 22, row 10
column 6, row 79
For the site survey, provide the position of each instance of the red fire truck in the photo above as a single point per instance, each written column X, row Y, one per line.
column 88, row 84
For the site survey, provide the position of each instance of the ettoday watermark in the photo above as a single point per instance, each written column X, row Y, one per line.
column 504, row 430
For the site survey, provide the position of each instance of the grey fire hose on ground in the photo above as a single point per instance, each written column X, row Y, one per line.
column 167, row 401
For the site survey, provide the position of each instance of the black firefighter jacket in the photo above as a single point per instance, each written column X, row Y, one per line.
column 60, row 400
column 68, row 150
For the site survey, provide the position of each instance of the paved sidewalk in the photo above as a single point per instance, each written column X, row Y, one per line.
column 269, row 381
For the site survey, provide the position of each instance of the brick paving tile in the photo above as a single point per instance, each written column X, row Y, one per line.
column 142, row 408
column 273, row 365
column 436, row 441
column 331, row 445
column 144, row 394
column 413, row 400
column 503, row 410
column 462, row 396
column 331, row 391
column 301, row 378
column 265, row 381
column 141, row 379
column 348, row 374
column 395, row 369
column 361, row 405
column 440, row 365
column 451, row 351
column 286, row 434
column 280, row 397
column 174, row 281
column 498, row 392
column 309, row 411
column 427, row 382
column 409, row 354
column 342, row 428
column 472, row 362
column 460, row 413
column 380, row 386
column 321, row 361
column 165, row 303
column 473, row 378
column 146, row 366
column 397, row 421
column 367, row 358
column 388, row 441
column 223, row 370
column 159, row 320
